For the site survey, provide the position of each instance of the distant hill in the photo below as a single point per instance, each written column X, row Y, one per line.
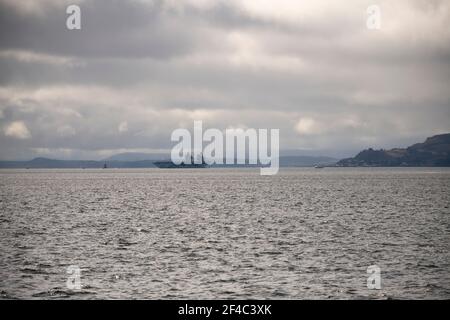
column 45, row 163
column 119, row 161
column 434, row 152
column 306, row 161
column 290, row 161
column 136, row 156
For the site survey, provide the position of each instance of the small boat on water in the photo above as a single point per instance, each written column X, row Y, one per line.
column 319, row 166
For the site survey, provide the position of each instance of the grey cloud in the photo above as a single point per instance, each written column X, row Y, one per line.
column 158, row 67
column 109, row 29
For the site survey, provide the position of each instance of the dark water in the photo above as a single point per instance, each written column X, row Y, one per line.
column 219, row 233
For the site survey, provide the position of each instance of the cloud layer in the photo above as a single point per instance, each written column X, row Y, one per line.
column 139, row 69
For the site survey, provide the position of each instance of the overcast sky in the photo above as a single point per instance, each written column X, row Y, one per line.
column 139, row 69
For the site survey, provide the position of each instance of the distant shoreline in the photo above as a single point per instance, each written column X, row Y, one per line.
column 223, row 167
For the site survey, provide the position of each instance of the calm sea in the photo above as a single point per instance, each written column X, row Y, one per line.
column 225, row 233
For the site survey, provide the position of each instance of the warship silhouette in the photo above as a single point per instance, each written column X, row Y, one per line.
column 182, row 165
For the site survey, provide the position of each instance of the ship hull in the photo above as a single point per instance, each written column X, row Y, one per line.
column 171, row 165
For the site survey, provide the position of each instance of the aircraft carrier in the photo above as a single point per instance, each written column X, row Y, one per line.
column 183, row 165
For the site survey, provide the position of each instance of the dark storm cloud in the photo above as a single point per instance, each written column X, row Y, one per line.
column 110, row 29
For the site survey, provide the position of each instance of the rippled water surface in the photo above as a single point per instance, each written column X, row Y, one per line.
column 221, row 233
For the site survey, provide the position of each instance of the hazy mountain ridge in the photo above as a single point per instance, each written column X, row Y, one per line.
column 136, row 156
column 113, row 162
column 45, row 163
column 434, row 152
